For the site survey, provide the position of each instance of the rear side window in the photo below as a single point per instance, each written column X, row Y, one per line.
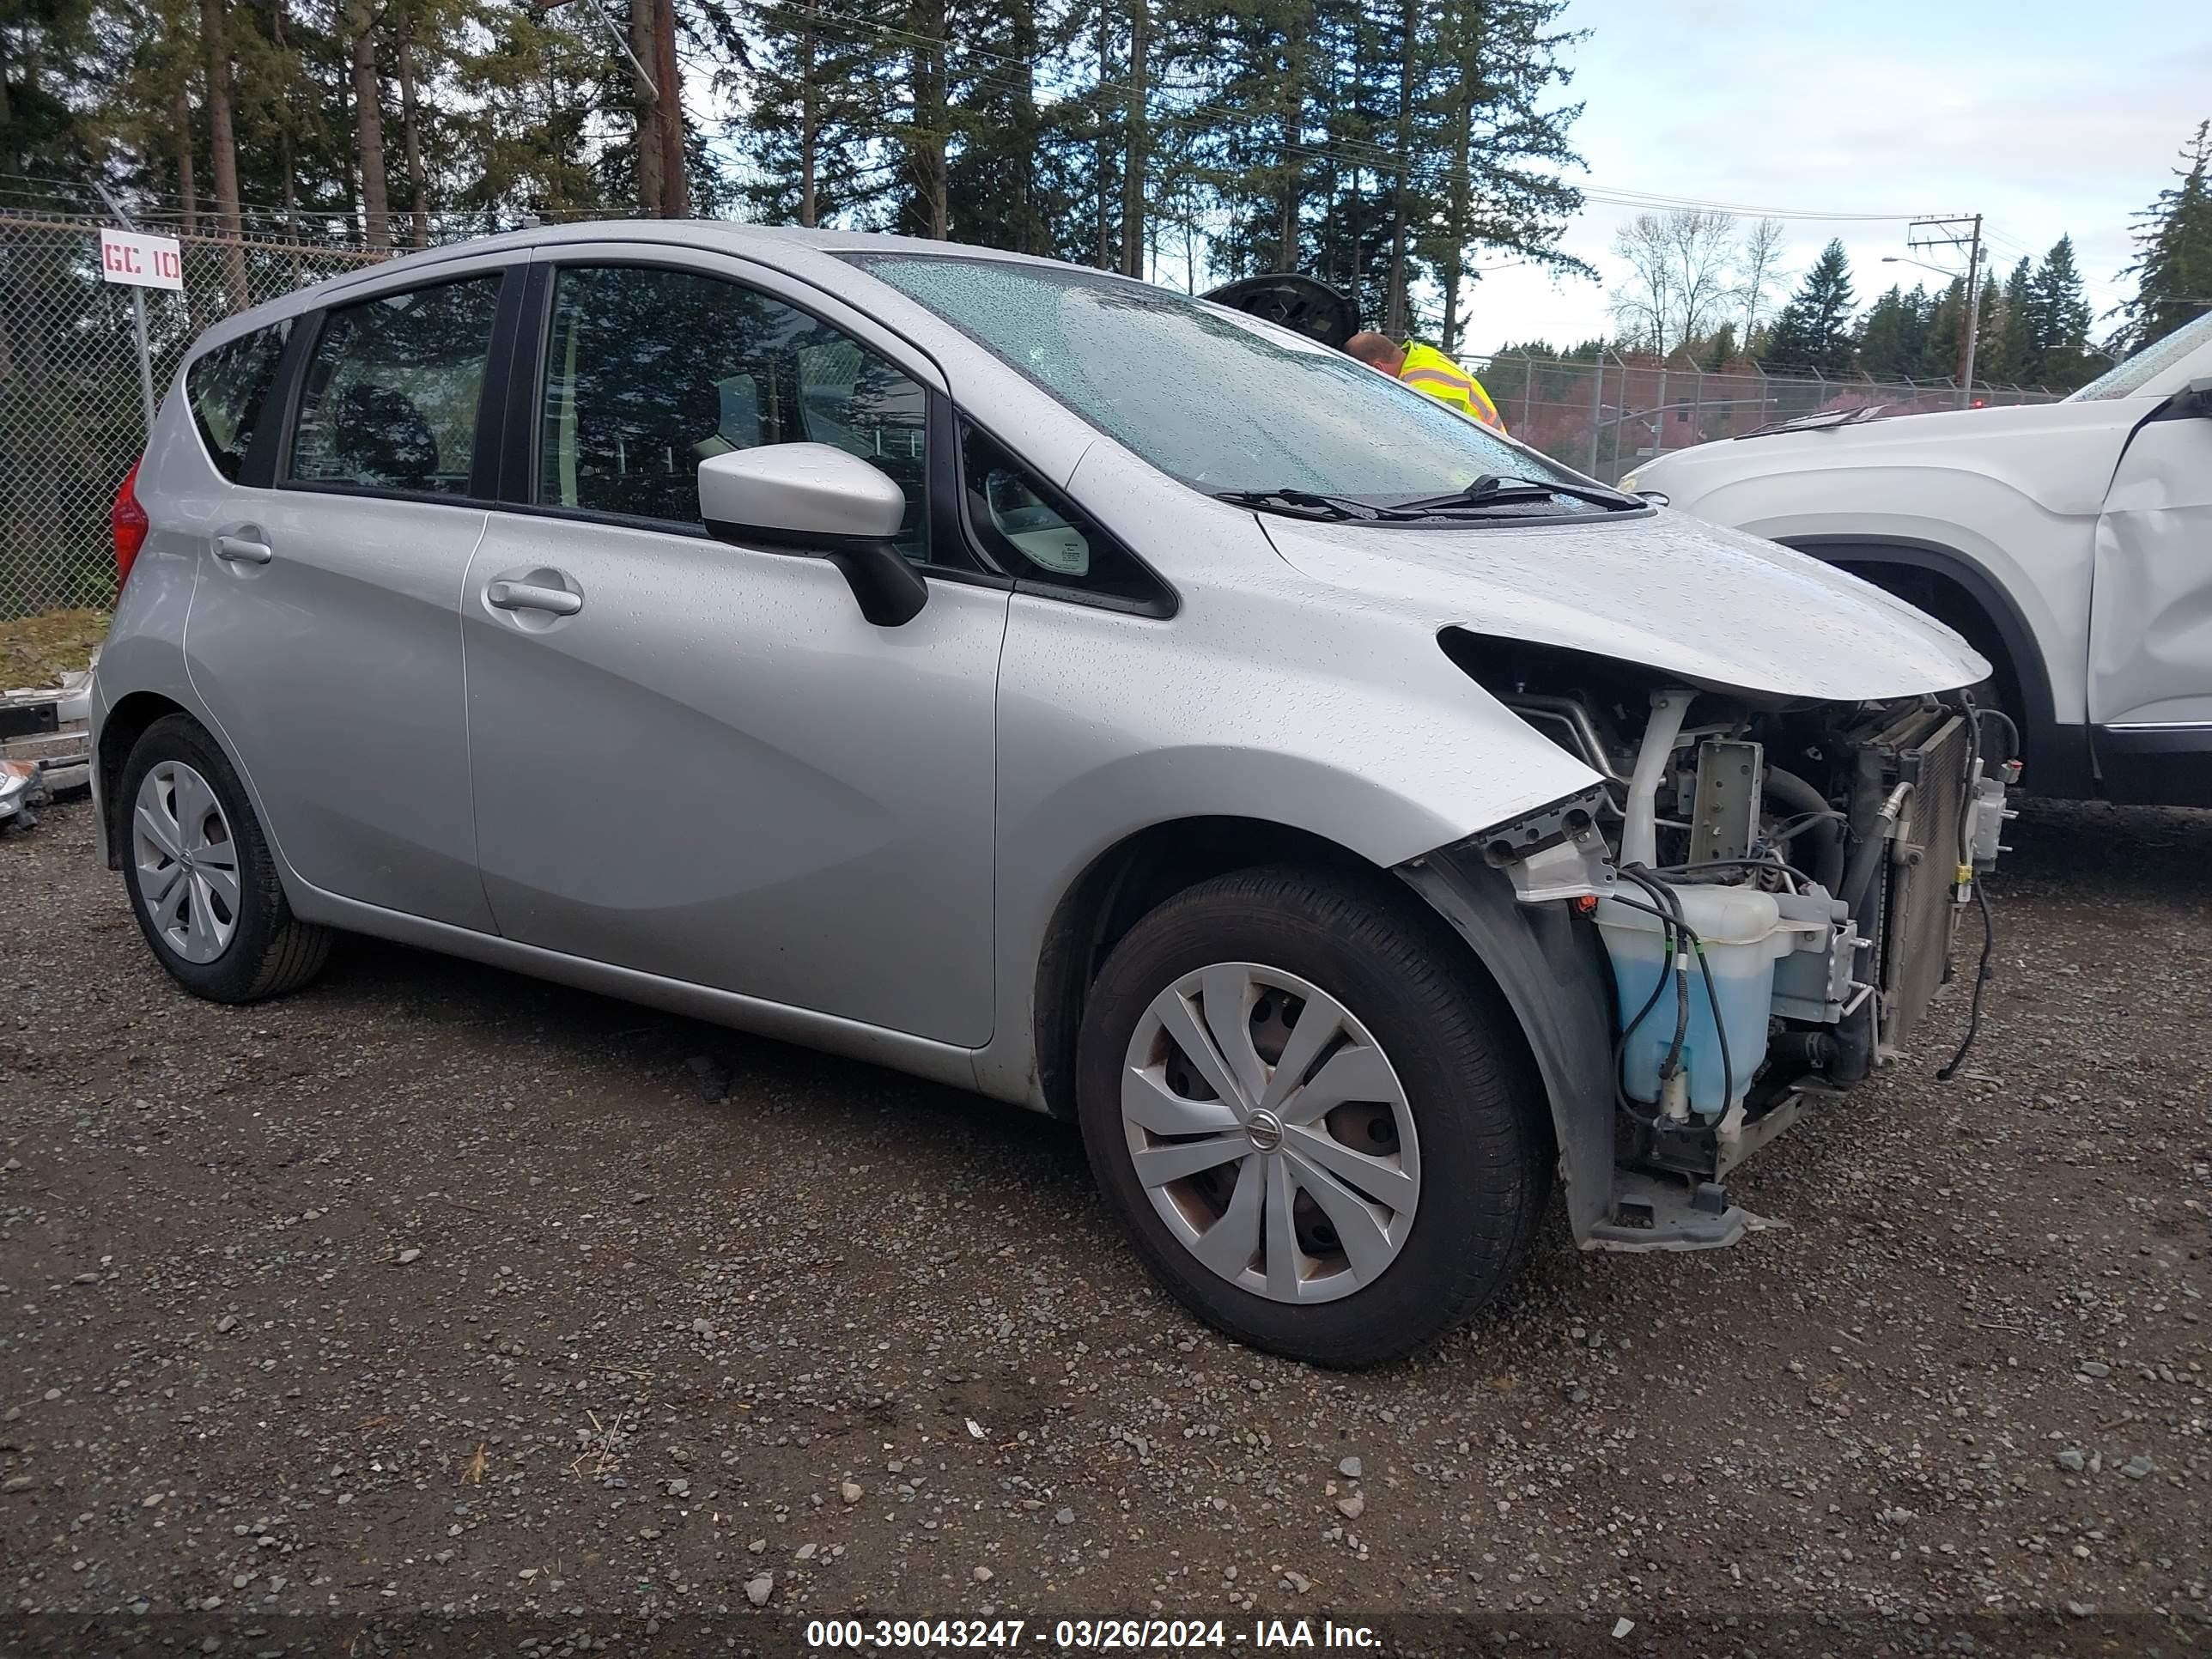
column 227, row 389
column 390, row 399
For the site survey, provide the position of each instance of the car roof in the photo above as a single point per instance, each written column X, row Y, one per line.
column 788, row 248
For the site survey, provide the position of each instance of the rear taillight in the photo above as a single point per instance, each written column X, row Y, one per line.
column 129, row 523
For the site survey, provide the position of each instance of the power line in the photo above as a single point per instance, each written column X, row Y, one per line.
column 1647, row 199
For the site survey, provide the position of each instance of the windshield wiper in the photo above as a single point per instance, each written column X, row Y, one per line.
column 1486, row 491
column 1491, row 490
column 1826, row 421
column 1311, row 504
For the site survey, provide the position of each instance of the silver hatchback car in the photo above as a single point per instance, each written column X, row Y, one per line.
column 1054, row 686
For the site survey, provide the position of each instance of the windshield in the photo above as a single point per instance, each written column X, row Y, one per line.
column 1221, row 401
column 2125, row 380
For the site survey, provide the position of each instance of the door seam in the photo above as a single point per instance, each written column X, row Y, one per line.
column 468, row 720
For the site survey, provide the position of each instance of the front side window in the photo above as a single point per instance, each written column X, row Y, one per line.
column 648, row 372
column 1035, row 534
column 391, row 391
column 1209, row 396
column 227, row 389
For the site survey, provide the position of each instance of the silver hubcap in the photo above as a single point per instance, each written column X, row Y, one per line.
column 187, row 862
column 1270, row 1133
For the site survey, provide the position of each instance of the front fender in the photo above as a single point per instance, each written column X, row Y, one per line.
column 1350, row 726
column 1552, row 971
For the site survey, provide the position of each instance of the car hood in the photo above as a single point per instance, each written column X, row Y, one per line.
column 1669, row 591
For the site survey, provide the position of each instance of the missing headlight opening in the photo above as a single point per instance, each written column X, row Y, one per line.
column 1776, row 883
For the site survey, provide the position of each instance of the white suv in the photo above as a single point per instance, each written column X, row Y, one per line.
column 2070, row 542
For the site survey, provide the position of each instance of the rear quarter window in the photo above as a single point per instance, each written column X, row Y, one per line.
column 228, row 389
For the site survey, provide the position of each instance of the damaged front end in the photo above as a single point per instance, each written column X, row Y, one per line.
column 1766, row 888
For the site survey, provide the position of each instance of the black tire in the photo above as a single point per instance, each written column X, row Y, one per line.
column 271, row 952
column 1481, row 1121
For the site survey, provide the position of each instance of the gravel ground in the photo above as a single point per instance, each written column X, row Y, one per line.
column 435, row 1300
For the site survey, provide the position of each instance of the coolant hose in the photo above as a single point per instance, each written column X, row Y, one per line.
column 1868, row 858
column 1827, row 834
column 1639, row 836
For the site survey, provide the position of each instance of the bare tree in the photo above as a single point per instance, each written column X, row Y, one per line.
column 1643, row 304
column 1678, row 276
column 1758, row 273
column 1700, row 244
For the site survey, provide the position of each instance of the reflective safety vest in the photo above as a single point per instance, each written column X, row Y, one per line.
column 1426, row 369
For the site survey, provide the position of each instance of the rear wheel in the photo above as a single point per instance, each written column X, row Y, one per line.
column 201, row 882
column 1311, row 1115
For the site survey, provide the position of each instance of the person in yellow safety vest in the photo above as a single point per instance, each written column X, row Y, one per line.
column 1426, row 369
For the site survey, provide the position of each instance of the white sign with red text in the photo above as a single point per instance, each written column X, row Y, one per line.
column 129, row 256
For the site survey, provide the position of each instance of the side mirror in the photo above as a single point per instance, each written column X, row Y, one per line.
column 1656, row 497
column 2196, row 398
column 814, row 499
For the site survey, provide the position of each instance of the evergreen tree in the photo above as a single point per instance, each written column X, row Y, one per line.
column 1384, row 145
column 1892, row 335
column 533, row 87
column 1991, row 361
column 45, row 74
column 1813, row 332
column 1943, row 333
column 2016, row 323
column 2058, row 312
column 1504, row 142
column 2174, row 242
column 814, row 83
column 1357, row 171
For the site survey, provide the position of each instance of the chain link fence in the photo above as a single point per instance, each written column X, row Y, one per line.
column 71, row 420
column 1606, row 416
column 70, row 423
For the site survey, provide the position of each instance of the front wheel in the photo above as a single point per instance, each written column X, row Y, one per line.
column 1309, row 1111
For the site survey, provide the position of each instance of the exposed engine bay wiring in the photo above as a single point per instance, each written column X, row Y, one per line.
column 1982, row 965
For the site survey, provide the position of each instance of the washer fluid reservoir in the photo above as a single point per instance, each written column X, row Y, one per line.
column 1743, row 934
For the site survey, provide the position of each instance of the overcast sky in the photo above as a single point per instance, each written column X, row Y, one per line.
column 2047, row 118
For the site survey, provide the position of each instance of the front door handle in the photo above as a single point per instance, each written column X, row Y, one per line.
column 529, row 595
column 242, row 549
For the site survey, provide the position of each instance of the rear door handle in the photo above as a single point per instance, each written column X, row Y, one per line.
column 529, row 595
column 241, row 550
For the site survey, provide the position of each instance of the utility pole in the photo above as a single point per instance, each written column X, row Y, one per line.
column 1974, row 286
column 1925, row 235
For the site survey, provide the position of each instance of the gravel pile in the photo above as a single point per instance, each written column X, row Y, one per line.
column 434, row 1296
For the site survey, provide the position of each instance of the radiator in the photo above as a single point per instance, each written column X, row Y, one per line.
column 1919, row 914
